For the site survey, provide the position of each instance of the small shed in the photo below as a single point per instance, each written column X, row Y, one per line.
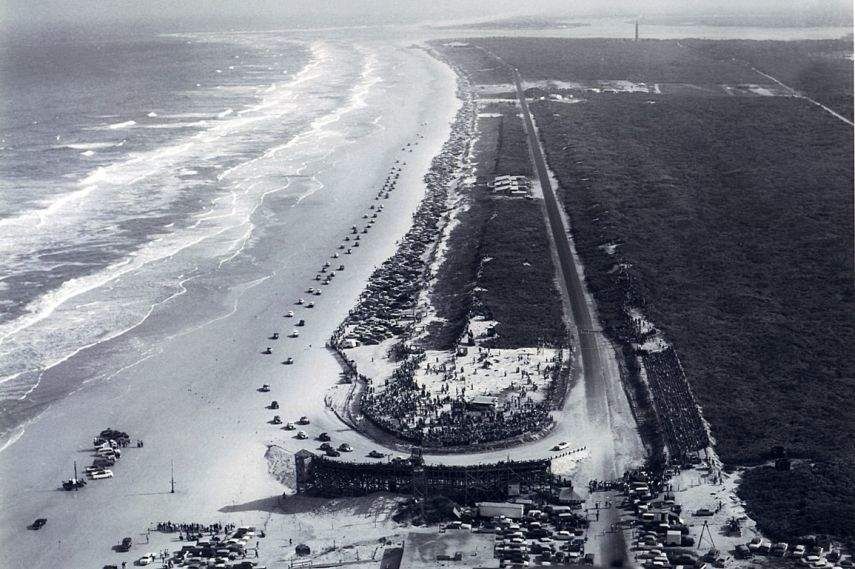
column 570, row 497
column 673, row 537
column 483, row 403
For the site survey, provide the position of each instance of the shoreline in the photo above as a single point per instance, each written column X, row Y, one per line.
column 194, row 400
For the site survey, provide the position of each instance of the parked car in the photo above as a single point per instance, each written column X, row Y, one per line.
column 326, row 447
column 303, row 420
column 289, row 426
column 73, row 484
column 101, row 474
column 125, row 544
column 560, row 446
column 302, row 435
column 146, row 559
column 333, row 452
column 344, row 447
column 376, row 454
column 324, row 437
column 39, row 523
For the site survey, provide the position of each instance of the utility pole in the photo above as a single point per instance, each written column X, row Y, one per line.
column 172, row 479
column 636, row 30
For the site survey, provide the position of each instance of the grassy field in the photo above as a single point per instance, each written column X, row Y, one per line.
column 728, row 221
column 734, row 218
column 499, row 264
column 821, row 69
column 650, row 61
column 809, row 499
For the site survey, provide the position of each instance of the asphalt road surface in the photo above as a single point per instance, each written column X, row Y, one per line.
column 594, row 359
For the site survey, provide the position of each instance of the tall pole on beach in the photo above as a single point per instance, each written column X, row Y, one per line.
column 172, row 478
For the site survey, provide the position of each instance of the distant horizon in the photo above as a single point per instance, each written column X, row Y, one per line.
column 48, row 15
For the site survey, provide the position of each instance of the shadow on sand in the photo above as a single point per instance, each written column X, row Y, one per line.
column 277, row 504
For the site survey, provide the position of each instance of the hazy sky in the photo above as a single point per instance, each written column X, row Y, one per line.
column 312, row 13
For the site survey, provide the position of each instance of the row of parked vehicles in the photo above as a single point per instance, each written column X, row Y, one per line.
column 534, row 537
column 302, row 435
column 108, row 450
column 215, row 551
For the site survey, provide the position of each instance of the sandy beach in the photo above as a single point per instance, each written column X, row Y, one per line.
column 192, row 394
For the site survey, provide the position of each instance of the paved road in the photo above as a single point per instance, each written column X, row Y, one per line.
column 594, row 359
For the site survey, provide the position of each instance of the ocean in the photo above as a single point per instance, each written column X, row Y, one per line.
column 129, row 167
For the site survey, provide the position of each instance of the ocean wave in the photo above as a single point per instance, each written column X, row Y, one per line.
column 173, row 125
column 93, row 308
column 120, row 125
column 92, row 145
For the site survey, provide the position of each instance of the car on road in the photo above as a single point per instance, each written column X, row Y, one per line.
column 38, row 524
column 101, row 474
column 560, row 446
column 344, row 447
column 302, row 435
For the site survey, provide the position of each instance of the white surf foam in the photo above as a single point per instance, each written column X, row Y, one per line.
column 92, row 145
column 52, row 330
column 120, row 125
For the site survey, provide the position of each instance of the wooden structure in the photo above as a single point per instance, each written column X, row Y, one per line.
column 321, row 476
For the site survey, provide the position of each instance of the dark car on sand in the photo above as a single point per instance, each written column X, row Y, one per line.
column 38, row 523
